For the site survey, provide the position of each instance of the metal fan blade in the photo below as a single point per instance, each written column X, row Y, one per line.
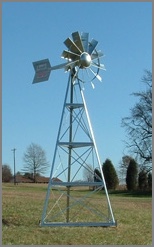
column 100, row 66
column 84, row 39
column 71, row 65
column 77, row 40
column 92, row 84
column 72, row 46
column 95, row 74
column 92, row 46
column 70, row 55
column 96, row 55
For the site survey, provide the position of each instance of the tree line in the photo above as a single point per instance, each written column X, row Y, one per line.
column 129, row 170
column 132, row 177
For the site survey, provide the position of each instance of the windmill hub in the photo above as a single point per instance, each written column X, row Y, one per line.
column 85, row 60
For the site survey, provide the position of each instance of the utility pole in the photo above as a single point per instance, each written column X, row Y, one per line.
column 14, row 149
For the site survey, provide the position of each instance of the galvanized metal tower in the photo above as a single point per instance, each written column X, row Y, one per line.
column 70, row 200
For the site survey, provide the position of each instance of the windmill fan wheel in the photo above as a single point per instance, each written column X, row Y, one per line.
column 83, row 57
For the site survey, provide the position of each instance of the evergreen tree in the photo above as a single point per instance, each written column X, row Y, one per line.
column 143, row 180
column 97, row 175
column 150, row 180
column 131, row 177
column 110, row 175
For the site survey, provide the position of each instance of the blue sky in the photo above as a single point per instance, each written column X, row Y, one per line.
column 33, row 31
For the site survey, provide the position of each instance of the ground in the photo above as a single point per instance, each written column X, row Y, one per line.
column 22, row 209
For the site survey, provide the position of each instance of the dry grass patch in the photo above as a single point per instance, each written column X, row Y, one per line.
column 22, row 209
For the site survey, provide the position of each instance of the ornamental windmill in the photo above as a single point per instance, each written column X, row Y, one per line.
column 71, row 201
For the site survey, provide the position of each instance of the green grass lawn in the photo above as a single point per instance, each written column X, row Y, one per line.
column 22, row 207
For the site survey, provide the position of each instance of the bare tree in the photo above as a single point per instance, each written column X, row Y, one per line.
column 35, row 160
column 139, row 124
column 88, row 173
column 123, row 168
